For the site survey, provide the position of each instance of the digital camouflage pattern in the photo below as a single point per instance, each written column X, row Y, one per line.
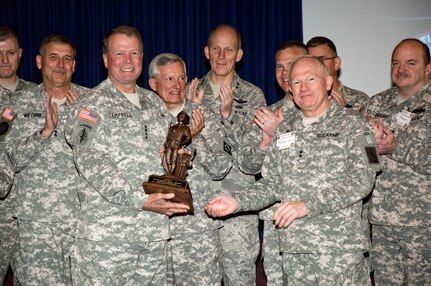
column 8, row 224
column 6, row 172
column 401, row 198
column 401, row 255
column 250, row 160
column 116, row 148
column 355, row 99
column 194, row 246
column 44, row 252
column 343, row 268
column 46, row 186
column 326, row 170
column 135, row 263
column 194, row 259
column 239, row 234
column 22, row 85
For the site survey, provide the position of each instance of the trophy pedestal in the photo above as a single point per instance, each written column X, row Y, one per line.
column 170, row 184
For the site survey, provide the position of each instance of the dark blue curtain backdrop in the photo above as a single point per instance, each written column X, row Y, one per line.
column 176, row 26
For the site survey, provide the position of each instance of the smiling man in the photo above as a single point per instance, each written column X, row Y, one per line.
column 116, row 133
column 194, row 248
column 47, row 203
column 400, row 210
column 317, row 171
column 234, row 100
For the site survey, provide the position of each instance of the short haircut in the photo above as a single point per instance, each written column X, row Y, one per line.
column 293, row 44
column 7, row 33
column 425, row 49
column 125, row 30
column 163, row 60
column 320, row 40
column 58, row 38
column 300, row 58
column 224, row 26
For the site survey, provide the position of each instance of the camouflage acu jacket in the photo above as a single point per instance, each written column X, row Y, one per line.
column 116, row 147
column 247, row 98
column 402, row 195
column 47, row 181
column 326, row 170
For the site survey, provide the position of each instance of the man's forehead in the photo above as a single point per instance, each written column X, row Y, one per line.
column 288, row 54
column 7, row 43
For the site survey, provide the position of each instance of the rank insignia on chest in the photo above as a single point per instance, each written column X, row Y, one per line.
column 227, row 148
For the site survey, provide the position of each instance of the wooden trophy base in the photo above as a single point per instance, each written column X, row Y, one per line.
column 170, row 184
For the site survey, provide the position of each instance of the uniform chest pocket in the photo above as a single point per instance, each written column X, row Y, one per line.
column 329, row 154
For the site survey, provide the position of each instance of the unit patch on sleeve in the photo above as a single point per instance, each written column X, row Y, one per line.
column 85, row 130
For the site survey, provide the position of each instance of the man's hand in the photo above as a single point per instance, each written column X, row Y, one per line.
column 160, row 203
column 226, row 97
column 194, row 95
column 71, row 96
column 387, row 144
column 338, row 98
column 287, row 212
column 51, row 118
column 198, row 123
column 221, row 205
column 385, row 138
column 268, row 121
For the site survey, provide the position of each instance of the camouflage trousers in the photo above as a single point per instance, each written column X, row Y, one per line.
column 272, row 259
column 8, row 237
column 325, row 269
column 239, row 238
column 99, row 263
column 194, row 259
column 43, row 257
column 402, row 255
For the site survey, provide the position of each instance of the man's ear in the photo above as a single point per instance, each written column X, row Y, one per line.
column 39, row 61
column 207, row 52
column 428, row 71
column 152, row 83
column 329, row 81
column 337, row 62
column 105, row 60
column 239, row 55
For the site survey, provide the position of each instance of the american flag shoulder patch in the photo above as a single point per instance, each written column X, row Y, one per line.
column 88, row 115
column 8, row 114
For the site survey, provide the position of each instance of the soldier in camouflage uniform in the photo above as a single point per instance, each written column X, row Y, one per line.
column 325, row 49
column 47, row 202
column 400, row 206
column 194, row 248
column 317, row 170
column 235, row 101
column 10, row 55
column 255, row 144
column 116, row 133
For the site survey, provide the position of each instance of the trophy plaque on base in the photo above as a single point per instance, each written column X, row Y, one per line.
column 175, row 164
column 169, row 184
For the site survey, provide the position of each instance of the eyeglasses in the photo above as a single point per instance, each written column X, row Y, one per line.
column 324, row 59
